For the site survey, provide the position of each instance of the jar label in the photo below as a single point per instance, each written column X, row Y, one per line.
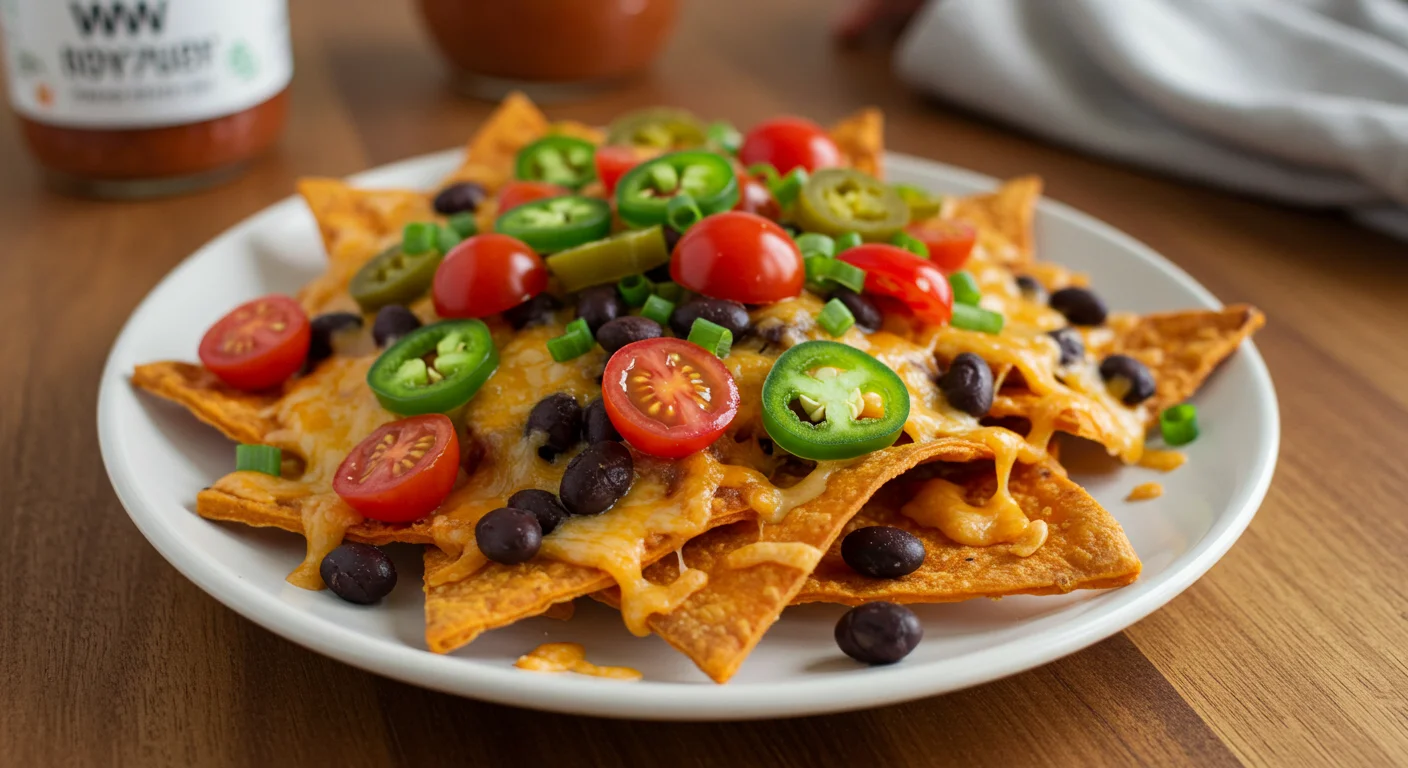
column 143, row 63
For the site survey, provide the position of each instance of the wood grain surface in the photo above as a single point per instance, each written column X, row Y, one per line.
column 1291, row 651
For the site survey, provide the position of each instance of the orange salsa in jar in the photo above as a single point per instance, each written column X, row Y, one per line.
column 135, row 98
column 547, row 48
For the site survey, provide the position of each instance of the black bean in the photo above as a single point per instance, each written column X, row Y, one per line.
column 597, row 478
column 1030, row 289
column 867, row 316
column 508, row 535
column 358, row 573
column 882, row 551
column 1071, row 344
column 544, row 506
column 535, row 311
column 1080, row 306
column 392, row 322
column 660, row 274
column 729, row 314
column 878, row 633
column 625, row 330
column 968, row 384
column 596, row 424
column 792, row 230
column 560, row 418
column 323, row 328
column 458, row 198
column 599, row 305
column 672, row 238
column 1129, row 379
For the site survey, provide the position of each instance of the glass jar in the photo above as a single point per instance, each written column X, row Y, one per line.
column 133, row 98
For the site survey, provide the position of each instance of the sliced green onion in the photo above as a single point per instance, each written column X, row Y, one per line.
column 659, row 309
column 258, row 458
column 816, row 244
column 971, row 318
column 682, row 212
column 711, row 336
column 769, row 173
column 787, row 188
column 577, row 341
column 821, row 270
column 1179, row 424
column 909, row 243
column 463, row 223
column 848, row 240
column 965, row 288
column 835, row 317
column 634, row 290
column 445, row 239
column 669, row 291
column 418, row 237
column 722, row 134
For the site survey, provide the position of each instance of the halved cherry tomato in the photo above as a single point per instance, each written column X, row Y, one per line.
column 516, row 193
column 485, row 275
column 402, row 471
column 739, row 256
column 259, row 344
column 612, row 162
column 893, row 271
column 950, row 241
column 756, row 198
column 668, row 397
column 789, row 142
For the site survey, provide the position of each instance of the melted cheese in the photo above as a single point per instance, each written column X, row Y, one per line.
column 614, row 541
column 794, row 554
column 1145, row 491
column 1163, row 461
column 570, row 657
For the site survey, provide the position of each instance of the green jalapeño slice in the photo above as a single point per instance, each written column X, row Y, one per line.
column 839, row 200
column 658, row 128
column 557, row 223
column 394, row 277
column 826, row 400
column 643, row 195
column 562, row 160
column 434, row 369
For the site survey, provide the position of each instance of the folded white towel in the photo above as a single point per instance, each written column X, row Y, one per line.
column 1301, row 101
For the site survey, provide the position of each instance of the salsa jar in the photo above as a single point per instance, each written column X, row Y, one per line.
column 135, row 98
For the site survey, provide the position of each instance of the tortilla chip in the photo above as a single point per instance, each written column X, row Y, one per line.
column 1004, row 219
column 563, row 611
column 238, row 415
column 577, row 131
column 499, row 595
column 489, row 155
column 1181, row 349
column 1085, row 547
column 861, row 139
column 287, row 513
column 355, row 224
column 720, row 624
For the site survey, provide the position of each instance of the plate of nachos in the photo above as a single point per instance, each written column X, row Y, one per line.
column 668, row 420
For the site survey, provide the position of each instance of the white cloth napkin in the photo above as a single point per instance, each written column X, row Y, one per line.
column 1301, row 101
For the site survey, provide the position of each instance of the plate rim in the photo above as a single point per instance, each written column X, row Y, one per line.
column 653, row 700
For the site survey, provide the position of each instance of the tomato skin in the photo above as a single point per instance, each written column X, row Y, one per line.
column 893, row 271
column 950, row 241
column 612, row 162
column 755, row 197
column 787, row 143
column 740, row 257
column 378, row 494
column 516, row 193
column 487, row 274
column 652, row 358
column 274, row 355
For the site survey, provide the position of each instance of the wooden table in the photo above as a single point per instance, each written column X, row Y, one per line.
column 1290, row 651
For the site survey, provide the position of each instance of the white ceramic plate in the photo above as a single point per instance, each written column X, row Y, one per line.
column 158, row 457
